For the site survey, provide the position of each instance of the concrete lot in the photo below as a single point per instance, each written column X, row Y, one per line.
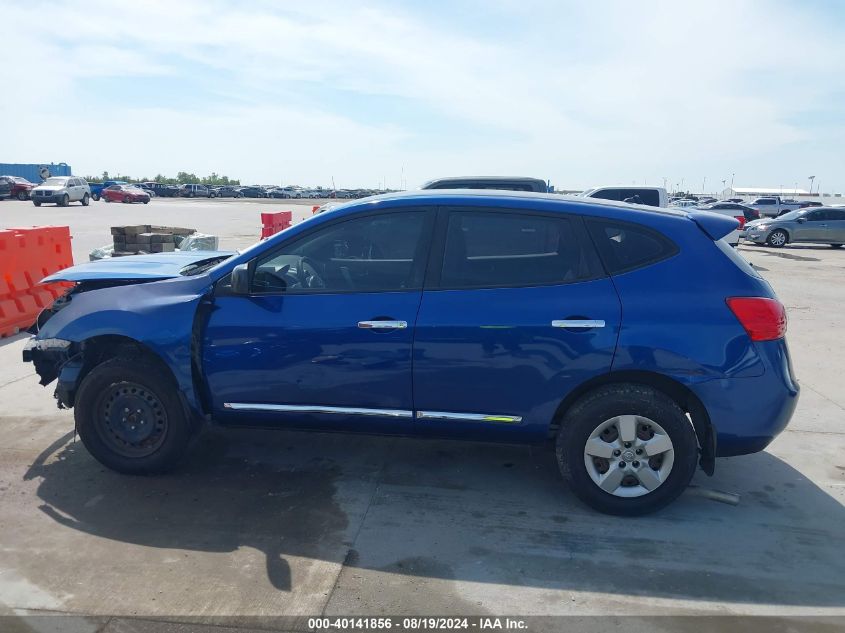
column 286, row 523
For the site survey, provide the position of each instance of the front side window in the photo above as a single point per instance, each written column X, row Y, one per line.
column 493, row 249
column 379, row 253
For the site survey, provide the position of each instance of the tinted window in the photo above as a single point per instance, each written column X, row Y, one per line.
column 371, row 254
column 765, row 201
column 836, row 215
column 633, row 195
column 489, row 249
column 625, row 246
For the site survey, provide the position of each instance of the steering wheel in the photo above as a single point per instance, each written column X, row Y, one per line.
column 307, row 275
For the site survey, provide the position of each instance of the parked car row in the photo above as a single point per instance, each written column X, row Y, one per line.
column 15, row 187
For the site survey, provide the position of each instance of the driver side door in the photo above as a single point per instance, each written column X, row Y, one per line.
column 323, row 338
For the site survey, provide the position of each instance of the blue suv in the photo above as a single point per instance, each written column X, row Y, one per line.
column 632, row 337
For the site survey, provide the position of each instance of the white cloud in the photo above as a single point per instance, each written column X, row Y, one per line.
column 582, row 93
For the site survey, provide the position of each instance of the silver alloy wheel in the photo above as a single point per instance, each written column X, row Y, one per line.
column 629, row 455
column 778, row 238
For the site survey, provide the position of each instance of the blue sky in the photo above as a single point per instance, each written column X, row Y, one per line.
column 580, row 93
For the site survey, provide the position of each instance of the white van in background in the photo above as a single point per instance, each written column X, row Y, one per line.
column 651, row 196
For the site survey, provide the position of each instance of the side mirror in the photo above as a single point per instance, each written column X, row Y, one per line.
column 801, row 220
column 240, row 279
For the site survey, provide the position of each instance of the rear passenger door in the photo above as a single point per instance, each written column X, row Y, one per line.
column 515, row 314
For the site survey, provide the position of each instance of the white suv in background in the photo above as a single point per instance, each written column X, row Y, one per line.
column 62, row 190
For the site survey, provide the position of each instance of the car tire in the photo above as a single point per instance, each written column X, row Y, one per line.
column 106, row 199
column 191, row 194
column 22, row 195
column 65, row 201
column 126, row 199
column 85, row 200
column 836, row 245
column 36, row 203
column 116, row 387
column 96, row 197
column 777, row 238
column 147, row 201
column 655, row 421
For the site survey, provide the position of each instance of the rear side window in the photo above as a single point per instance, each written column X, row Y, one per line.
column 492, row 249
column 624, row 247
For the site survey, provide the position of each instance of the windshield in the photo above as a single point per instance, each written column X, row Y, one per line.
column 55, row 182
column 792, row 215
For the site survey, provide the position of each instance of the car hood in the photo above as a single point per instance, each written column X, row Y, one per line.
column 49, row 187
column 135, row 267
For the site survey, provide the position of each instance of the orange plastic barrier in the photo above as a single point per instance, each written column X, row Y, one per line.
column 27, row 255
column 272, row 223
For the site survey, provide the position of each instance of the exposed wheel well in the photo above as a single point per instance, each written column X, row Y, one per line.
column 99, row 349
column 680, row 393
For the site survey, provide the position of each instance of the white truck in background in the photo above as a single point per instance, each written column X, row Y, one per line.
column 773, row 206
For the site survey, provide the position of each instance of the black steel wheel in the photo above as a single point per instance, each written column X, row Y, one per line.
column 130, row 418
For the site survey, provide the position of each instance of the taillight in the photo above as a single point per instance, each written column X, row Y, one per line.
column 763, row 319
column 740, row 219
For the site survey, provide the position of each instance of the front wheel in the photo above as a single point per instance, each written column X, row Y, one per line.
column 22, row 195
column 65, row 200
column 126, row 199
column 96, row 197
column 129, row 417
column 777, row 238
column 85, row 200
column 626, row 449
column 36, row 203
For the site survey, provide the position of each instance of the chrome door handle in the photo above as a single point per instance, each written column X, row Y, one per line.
column 579, row 323
column 382, row 325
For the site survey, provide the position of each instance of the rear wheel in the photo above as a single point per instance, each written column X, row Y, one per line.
column 626, row 449
column 36, row 203
column 129, row 417
column 85, row 200
column 96, row 197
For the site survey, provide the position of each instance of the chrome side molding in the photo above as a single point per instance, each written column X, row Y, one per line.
column 468, row 417
column 390, row 413
column 579, row 323
column 313, row 408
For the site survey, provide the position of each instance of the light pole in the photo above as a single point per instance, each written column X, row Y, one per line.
column 732, row 184
column 811, row 178
column 704, row 186
column 664, row 181
column 724, row 182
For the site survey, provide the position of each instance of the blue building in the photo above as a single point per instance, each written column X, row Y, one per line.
column 32, row 172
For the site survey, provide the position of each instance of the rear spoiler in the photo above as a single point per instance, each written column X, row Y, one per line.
column 715, row 225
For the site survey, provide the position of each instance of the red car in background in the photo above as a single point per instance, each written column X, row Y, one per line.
column 125, row 193
column 20, row 187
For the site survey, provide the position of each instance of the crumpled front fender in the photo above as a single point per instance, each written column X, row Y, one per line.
column 159, row 315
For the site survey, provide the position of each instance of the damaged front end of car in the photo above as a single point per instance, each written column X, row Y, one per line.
column 131, row 307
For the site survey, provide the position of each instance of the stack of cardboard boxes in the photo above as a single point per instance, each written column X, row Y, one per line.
column 146, row 238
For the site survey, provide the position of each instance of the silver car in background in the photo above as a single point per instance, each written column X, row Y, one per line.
column 822, row 225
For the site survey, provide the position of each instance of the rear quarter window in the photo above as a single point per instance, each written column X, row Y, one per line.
column 624, row 246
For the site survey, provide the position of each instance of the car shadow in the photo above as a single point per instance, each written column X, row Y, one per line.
column 480, row 513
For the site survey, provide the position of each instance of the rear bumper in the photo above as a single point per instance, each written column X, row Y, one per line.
column 749, row 413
